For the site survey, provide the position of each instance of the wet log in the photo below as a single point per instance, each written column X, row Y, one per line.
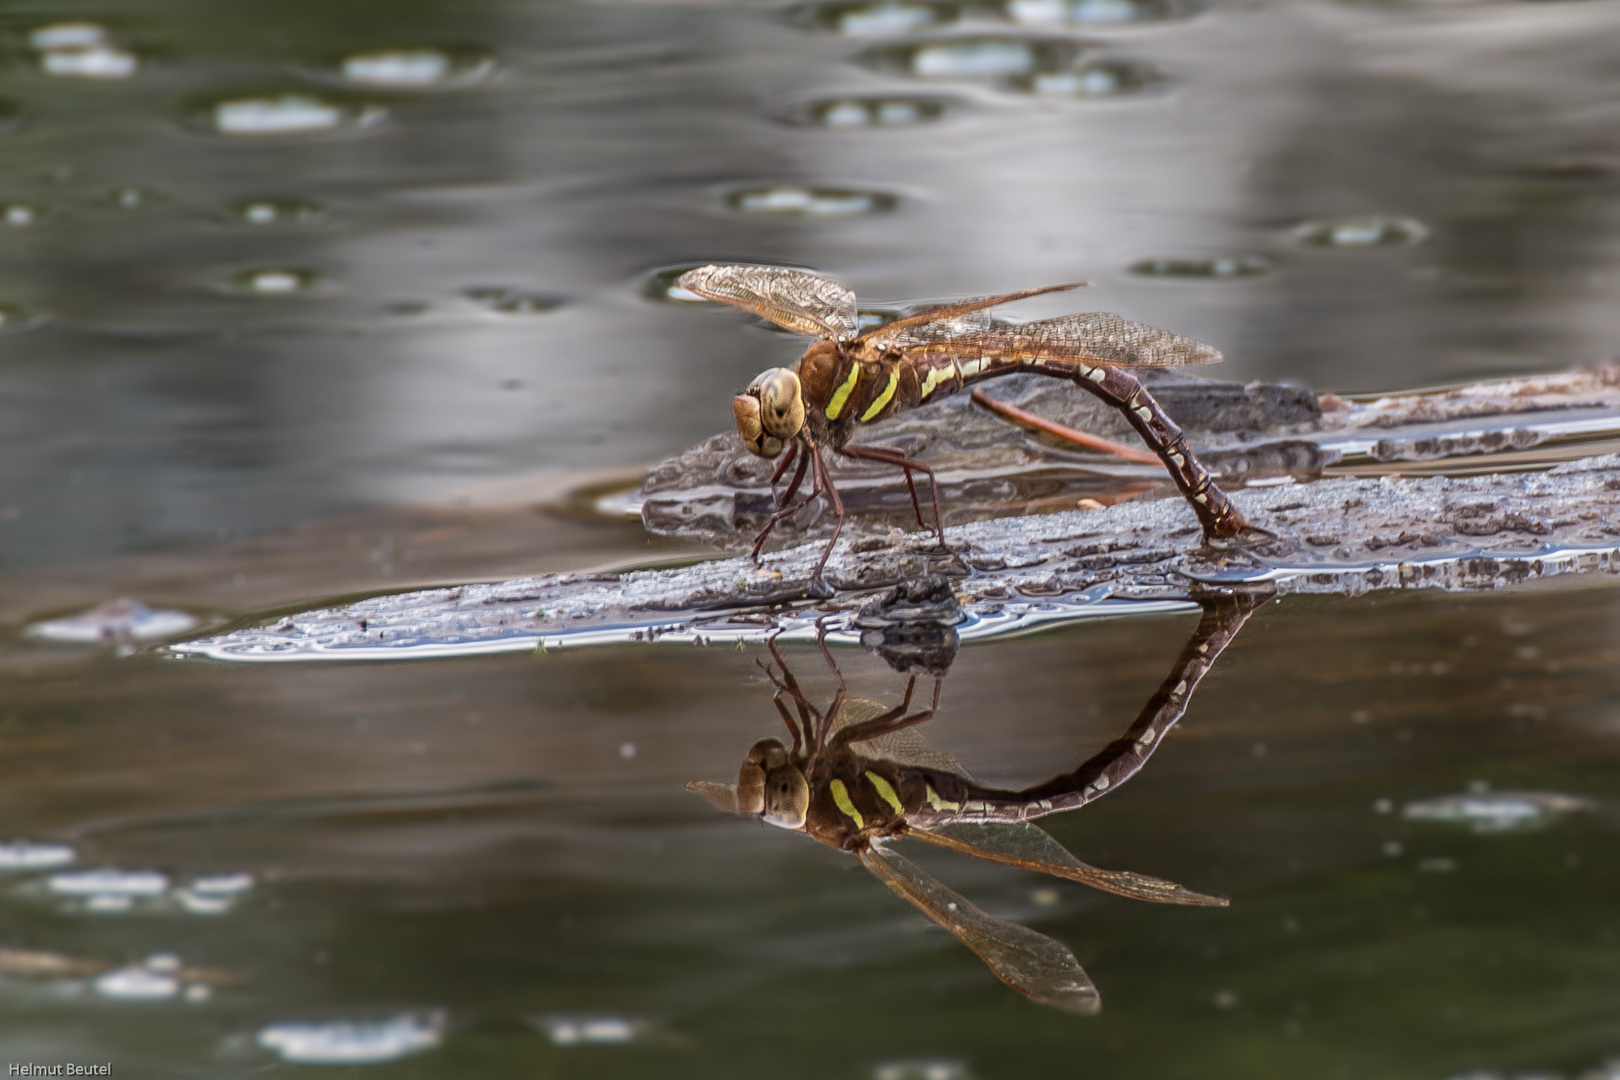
column 1256, row 433
column 1342, row 536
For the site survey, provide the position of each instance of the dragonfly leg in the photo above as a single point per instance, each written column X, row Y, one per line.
column 789, row 685
column 1219, row 518
column 787, row 509
column 916, row 507
column 896, row 458
column 787, row 721
column 890, row 721
column 798, row 476
column 824, row 483
column 782, row 466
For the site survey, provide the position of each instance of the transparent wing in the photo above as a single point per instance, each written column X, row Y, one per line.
column 1031, row 963
column 1019, row 843
column 904, row 747
column 1097, row 337
column 915, row 327
column 802, row 302
column 944, row 329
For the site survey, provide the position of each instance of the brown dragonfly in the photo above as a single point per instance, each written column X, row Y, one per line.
column 859, row 777
column 847, row 378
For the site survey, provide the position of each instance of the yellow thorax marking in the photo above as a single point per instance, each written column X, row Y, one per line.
column 938, row 803
column 841, row 395
column 840, row 795
column 883, row 398
column 886, row 791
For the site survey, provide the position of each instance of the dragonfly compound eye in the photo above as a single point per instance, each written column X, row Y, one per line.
column 765, row 759
column 781, row 403
column 746, row 409
column 750, row 789
column 787, row 797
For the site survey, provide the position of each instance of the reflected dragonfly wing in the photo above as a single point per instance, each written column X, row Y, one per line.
column 895, row 332
column 802, row 302
column 1097, row 337
column 904, row 747
column 1035, row 965
column 1022, row 844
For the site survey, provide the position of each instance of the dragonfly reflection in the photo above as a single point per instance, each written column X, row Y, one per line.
column 859, row 776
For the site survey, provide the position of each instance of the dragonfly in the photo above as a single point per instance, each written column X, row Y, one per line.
column 859, row 777
column 847, row 378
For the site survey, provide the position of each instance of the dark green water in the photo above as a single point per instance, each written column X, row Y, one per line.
column 227, row 408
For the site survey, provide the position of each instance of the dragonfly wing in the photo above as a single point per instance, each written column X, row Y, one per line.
column 1097, row 337
column 1022, row 844
column 802, row 302
column 954, row 326
column 894, row 332
column 1033, row 964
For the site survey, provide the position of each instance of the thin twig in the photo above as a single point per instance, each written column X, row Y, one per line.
column 1079, row 438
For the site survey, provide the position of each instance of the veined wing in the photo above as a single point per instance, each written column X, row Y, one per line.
column 1098, row 337
column 904, row 747
column 1031, row 963
column 1019, row 843
column 941, row 329
column 802, row 302
column 896, row 332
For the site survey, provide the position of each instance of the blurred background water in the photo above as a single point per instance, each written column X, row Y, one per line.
column 304, row 299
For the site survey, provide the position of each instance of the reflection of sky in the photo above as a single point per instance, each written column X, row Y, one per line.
column 160, row 400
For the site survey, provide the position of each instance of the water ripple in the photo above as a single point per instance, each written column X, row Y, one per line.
column 504, row 301
column 124, row 619
column 1217, row 267
column 81, row 50
column 1361, row 231
column 24, row 855
column 267, row 212
column 984, row 56
column 1486, row 811
column 589, row 1030
column 1095, row 12
column 415, row 69
column 875, row 19
column 287, row 114
column 795, row 200
column 1091, row 79
column 850, row 113
column 354, row 1042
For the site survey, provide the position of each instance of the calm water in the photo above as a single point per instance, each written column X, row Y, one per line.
column 302, row 300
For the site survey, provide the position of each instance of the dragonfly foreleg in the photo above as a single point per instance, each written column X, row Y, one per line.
column 798, row 476
column 896, row 458
column 787, row 509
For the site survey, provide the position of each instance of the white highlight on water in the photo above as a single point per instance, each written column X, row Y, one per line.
column 354, row 1042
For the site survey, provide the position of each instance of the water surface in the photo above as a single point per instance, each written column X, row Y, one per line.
column 305, row 300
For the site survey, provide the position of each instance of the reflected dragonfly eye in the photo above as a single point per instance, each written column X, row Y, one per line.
column 787, row 798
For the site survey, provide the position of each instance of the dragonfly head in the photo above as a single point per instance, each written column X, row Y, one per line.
column 770, row 412
column 771, row 786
